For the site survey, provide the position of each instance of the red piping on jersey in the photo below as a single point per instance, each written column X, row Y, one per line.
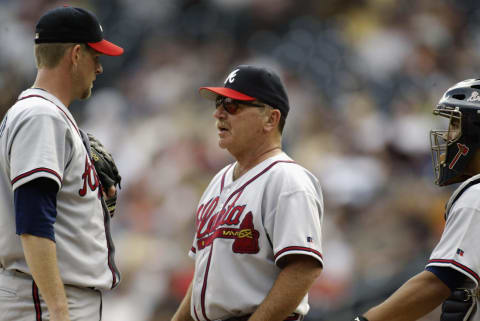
column 36, row 302
column 195, row 311
column 39, row 96
column 36, row 170
column 463, row 267
column 257, row 176
column 223, row 178
column 110, row 246
column 204, row 287
column 298, row 248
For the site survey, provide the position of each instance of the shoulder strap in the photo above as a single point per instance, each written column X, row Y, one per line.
column 459, row 191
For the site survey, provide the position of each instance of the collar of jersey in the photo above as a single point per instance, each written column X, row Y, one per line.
column 254, row 170
column 45, row 94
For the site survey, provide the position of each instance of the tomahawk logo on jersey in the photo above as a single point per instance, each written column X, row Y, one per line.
column 226, row 224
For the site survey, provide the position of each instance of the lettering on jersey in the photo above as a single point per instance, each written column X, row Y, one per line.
column 90, row 179
column 212, row 225
column 209, row 218
column 462, row 150
column 2, row 126
column 205, row 211
column 245, row 237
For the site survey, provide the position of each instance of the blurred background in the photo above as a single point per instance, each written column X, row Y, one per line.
column 363, row 77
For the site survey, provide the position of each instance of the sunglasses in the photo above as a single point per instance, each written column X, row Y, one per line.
column 232, row 106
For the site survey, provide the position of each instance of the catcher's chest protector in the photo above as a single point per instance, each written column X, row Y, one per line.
column 459, row 191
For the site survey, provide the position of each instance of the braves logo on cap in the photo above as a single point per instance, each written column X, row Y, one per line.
column 474, row 97
column 231, row 76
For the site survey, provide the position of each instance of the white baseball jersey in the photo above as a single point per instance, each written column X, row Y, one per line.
column 40, row 138
column 458, row 247
column 244, row 227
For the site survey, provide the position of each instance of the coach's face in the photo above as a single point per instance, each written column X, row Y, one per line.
column 88, row 68
column 242, row 131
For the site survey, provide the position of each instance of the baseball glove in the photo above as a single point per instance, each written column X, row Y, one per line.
column 106, row 169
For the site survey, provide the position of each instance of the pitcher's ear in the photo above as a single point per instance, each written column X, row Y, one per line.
column 75, row 53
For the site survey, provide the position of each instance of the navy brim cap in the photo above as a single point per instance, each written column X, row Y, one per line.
column 249, row 83
column 69, row 24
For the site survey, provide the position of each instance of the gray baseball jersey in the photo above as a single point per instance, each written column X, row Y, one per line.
column 40, row 138
column 458, row 247
column 244, row 227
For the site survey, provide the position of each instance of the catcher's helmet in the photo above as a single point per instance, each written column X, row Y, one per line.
column 454, row 149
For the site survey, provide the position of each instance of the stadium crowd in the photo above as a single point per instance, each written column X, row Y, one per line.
column 363, row 78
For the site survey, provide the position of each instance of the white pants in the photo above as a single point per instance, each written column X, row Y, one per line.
column 20, row 300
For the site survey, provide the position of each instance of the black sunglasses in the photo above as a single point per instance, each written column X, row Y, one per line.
column 231, row 105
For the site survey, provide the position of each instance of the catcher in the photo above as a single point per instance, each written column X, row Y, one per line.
column 452, row 273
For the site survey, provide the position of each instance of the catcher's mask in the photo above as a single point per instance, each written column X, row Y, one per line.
column 454, row 148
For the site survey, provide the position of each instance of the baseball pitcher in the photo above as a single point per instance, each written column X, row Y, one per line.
column 56, row 251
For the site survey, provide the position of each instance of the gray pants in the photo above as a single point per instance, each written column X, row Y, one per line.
column 20, row 300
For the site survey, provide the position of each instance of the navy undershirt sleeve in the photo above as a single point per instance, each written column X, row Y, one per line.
column 36, row 207
column 451, row 277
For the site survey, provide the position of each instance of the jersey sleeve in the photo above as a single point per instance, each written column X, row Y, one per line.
column 36, row 208
column 457, row 248
column 451, row 277
column 296, row 227
column 38, row 149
